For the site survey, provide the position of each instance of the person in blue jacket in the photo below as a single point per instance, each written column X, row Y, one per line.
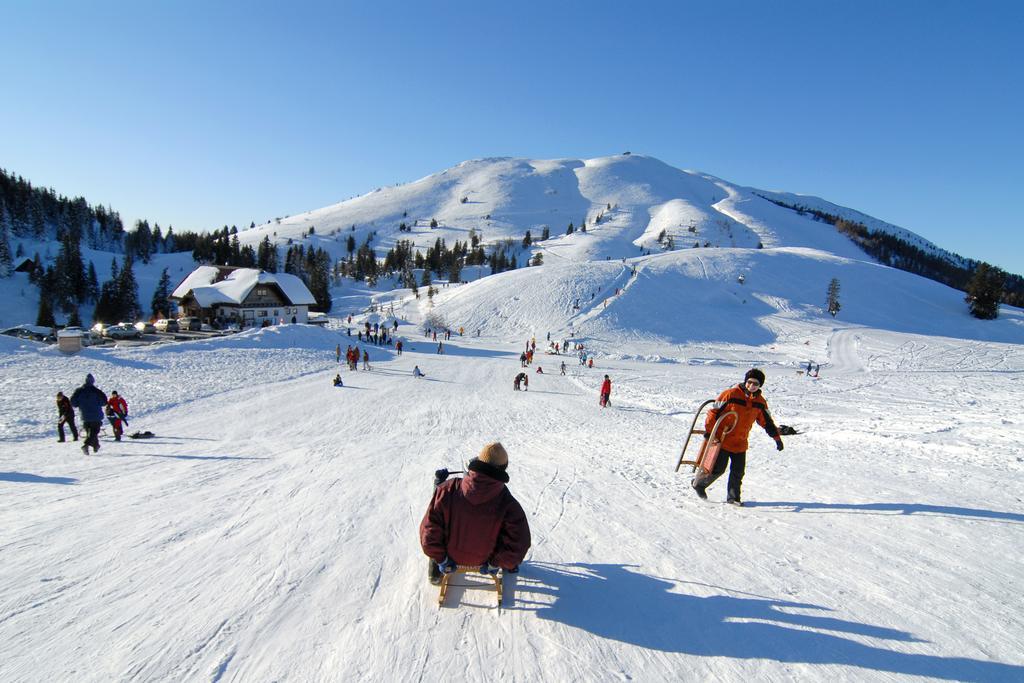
column 90, row 402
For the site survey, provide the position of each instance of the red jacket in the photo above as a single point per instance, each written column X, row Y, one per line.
column 606, row 387
column 118, row 405
column 474, row 520
column 749, row 408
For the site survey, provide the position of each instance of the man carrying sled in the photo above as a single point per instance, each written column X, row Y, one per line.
column 750, row 406
column 474, row 520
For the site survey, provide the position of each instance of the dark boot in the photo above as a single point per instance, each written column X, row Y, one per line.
column 433, row 573
column 701, row 493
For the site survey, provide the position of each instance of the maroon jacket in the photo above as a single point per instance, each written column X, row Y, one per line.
column 475, row 519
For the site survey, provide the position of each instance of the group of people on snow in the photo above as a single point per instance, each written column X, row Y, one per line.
column 93, row 405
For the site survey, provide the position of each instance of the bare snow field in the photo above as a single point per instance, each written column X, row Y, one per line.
column 269, row 531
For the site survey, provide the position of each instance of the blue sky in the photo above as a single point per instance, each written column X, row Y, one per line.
column 200, row 114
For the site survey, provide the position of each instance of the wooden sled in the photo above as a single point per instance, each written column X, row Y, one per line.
column 469, row 570
column 709, row 448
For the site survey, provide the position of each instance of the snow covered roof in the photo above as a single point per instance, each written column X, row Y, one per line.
column 234, row 288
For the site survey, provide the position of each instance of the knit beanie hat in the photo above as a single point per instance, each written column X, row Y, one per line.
column 754, row 373
column 494, row 454
column 89, row 379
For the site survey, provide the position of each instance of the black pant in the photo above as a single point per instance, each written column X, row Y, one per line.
column 71, row 425
column 738, row 467
column 92, row 434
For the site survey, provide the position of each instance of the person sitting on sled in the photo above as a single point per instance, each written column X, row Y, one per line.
column 337, row 380
column 475, row 521
column 750, row 406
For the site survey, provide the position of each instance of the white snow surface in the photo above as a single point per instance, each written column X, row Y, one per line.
column 269, row 531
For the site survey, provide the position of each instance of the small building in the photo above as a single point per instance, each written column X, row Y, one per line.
column 224, row 295
column 69, row 341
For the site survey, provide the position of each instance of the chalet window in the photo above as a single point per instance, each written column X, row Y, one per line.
column 261, row 291
column 262, row 314
column 276, row 314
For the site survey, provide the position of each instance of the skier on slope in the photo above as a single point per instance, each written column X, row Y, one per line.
column 475, row 521
column 90, row 402
column 750, row 406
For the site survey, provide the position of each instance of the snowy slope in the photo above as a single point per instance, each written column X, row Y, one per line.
column 269, row 532
column 636, row 197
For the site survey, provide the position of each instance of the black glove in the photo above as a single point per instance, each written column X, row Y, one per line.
column 440, row 476
column 778, row 444
column 447, row 565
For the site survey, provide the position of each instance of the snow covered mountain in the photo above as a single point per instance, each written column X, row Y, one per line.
column 625, row 201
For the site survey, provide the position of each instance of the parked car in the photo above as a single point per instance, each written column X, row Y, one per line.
column 33, row 332
column 122, row 331
column 189, row 323
column 145, row 328
column 166, row 325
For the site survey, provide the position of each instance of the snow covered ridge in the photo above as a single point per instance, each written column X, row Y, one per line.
column 626, row 201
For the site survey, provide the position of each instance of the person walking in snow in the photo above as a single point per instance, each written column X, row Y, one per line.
column 117, row 413
column 606, row 392
column 337, row 353
column 366, row 360
column 517, row 383
column 522, row 359
column 65, row 415
column 475, row 521
column 563, row 367
column 750, row 406
column 90, row 402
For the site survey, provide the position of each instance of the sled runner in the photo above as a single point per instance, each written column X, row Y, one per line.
column 709, row 448
column 468, row 570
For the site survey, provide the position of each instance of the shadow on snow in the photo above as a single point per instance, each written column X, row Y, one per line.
column 650, row 612
column 897, row 508
column 25, row 478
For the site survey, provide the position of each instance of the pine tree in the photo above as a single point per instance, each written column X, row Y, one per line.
column 545, row 233
column 44, row 318
column 833, row 297
column 128, row 292
column 984, row 291
column 6, row 260
column 93, row 285
column 571, row 229
column 158, row 305
column 527, row 241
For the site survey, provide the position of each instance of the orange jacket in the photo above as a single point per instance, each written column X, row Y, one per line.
column 749, row 408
